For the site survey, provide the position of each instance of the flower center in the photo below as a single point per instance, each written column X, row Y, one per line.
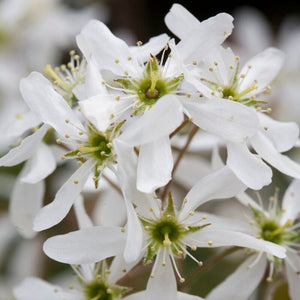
column 98, row 291
column 150, row 87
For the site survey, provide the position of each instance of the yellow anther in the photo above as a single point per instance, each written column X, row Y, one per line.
column 75, row 181
column 123, row 229
column 194, row 248
column 67, row 136
column 67, row 120
column 210, row 243
column 210, row 69
column 191, row 213
column 117, row 61
column 163, row 263
column 19, row 116
column 200, row 263
column 139, row 43
column 117, row 98
column 182, row 280
column 129, row 58
column 58, row 141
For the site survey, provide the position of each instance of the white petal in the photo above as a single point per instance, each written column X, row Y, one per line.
column 87, row 245
column 180, row 21
column 83, row 219
column 290, row 202
column 163, row 118
column 36, row 289
column 246, row 200
column 292, row 271
column 226, row 119
column 165, row 275
column 97, row 41
column 241, row 282
column 220, row 184
column 284, row 135
column 55, row 211
column 98, row 109
column 25, row 149
column 50, row 106
column 155, row 165
column 26, row 200
column 153, row 46
column 40, row 165
column 105, row 213
column 202, row 39
column 219, row 238
column 264, row 68
column 264, row 147
column 134, row 242
column 184, row 296
column 19, row 126
column 248, row 167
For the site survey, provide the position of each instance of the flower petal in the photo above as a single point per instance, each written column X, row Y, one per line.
column 33, row 288
column 290, row 202
column 55, row 211
column 50, row 106
column 25, row 149
column 40, row 165
column 155, row 165
column 227, row 119
column 264, row 147
column 243, row 281
column 284, row 135
column 248, row 167
column 83, row 219
column 87, row 245
column 220, row 184
column 207, row 237
column 25, row 202
column 111, row 53
column 163, row 118
column 292, row 271
column 165, row 274
column 153, row 46
column 264, row 68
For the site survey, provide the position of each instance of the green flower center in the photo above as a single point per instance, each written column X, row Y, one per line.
column 272, row 232
column 152, row 86
column 98, row 291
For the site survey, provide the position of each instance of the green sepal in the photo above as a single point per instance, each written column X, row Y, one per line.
column 150, row 254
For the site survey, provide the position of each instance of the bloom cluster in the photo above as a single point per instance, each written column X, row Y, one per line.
column 122, row 120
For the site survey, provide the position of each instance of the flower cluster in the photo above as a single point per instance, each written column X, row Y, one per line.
column 122, row 118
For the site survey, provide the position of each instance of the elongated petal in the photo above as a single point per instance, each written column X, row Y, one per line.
column 25, row 202
column 33, row 288
column 248, row 167
column 55, row 211
column 126, row 173
column 87, row 245
column 243, row 281
column 217, row 238
column 111, row 53
column 153, row 46
column 264, row 68
column 83, row 219
column 284, row 135
column 290, row 202
column 98, row 109
column 227, row 119
column 220, row 184
column 50, row 106
column 40, row 165
column 264, row 147
column 203, row 38
column 155, row 165
column 155, row 288
column 180, row 21
column 25, row 149
column 292, row 271
column 163, row 118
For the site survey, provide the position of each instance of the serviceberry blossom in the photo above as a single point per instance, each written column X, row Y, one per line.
column 275, row 224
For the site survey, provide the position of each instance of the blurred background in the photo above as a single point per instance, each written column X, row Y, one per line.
column 34, row 33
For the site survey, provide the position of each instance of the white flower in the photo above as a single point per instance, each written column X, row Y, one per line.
column 275, row 225
column 93, row 148
column 166, row 232
column 151, row 92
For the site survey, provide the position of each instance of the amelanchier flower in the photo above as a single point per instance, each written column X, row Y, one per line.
column 218, row 76
column 153, row 95
column 161, row 232
column 279, row 226
column 91, row 146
